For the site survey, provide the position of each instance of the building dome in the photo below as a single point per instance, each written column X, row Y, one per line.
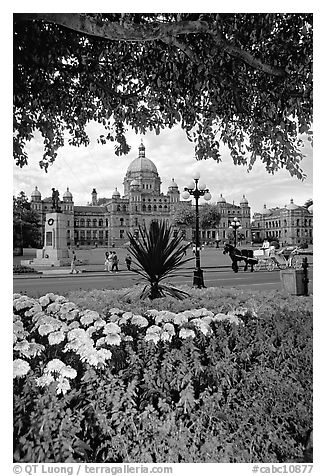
column 173, row 184
column 292, row 206
column 67, row 194
column 36, row 193
column 141, row 163
column 116, row 193
column 265, row 211
column 244, row 201
column 221, row 199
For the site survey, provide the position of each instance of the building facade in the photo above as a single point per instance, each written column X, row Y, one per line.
column 290, row 225
column 141, row 202
column 108, row 224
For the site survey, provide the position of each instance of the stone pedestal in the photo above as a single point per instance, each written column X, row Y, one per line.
column 55, row 251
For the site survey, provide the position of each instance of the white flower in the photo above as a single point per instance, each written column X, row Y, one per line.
column 33, row 350
column 164, row 316
column 23, row 302
column 114, row 318
column 44, row 380
column 104, row 354
column 153, row 330
column 60, row 299
column 114, row 310
column 139, row 321
column 79, row 334
column 63, row 386
column 53, row 308
column 111, row 328
column 53, row 297
column 185, row 333
column 100, row 341
column 44, row 301
column 70, row 315
column 73, row 325
column 55, row 365
column 88, row 317
column 180, row 319
column 152, row 337
column 128, row 338
column 165, row 336
column 45, row 329
column 90, row 330
column 21, row 368
column 168, row 327
column 113, row 339
column 56, row 337
column 152, row 312
column 68, row 372
column 33, row 310
column 22, row 346
column 99, row 323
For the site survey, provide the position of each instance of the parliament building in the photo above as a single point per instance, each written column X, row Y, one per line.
column 141, row 202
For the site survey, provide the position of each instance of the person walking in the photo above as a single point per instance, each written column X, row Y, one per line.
column 73, row 264
column 115, row 262
column 106, row 261
column 110, row 261
column 128, row 262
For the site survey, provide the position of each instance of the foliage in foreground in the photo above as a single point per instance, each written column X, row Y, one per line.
column 161, row 386
column 19, row 269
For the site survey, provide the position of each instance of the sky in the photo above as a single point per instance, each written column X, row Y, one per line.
column 96, row 166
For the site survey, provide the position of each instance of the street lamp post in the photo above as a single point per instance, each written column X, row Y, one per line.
column 197, row 190
column 235, row 225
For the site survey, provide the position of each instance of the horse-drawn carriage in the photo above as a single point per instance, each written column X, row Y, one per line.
column 287, row 257
column 266, row 258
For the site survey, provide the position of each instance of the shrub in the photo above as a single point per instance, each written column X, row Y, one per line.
column 19, row 269
column 225, row 384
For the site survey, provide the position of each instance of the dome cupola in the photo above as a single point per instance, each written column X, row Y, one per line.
column 116, row 193
column 141, row 163
column 173, row 184
column 221, row 199
column 265, row 211
column 36, row 194
column 67, row 195
column 244, row 201
column 292, row 206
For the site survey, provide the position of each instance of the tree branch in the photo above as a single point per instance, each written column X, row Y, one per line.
column 135, row 32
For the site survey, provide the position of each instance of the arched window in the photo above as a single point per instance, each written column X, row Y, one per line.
column 144, row 208
column 82, row 222
column 121, row 221
column 118, row 208
column 88, row 224
column 149, row 208
column 100, row 222
column 155, row 208
column 124, row 208
column 94, row 222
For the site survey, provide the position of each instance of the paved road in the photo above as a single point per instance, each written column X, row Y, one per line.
column 39, row 285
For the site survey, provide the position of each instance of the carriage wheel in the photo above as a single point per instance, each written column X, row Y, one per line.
column 257, row 266
column 270, row 265
column 296, row 262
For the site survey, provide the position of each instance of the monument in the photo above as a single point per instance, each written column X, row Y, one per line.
column 55, row 250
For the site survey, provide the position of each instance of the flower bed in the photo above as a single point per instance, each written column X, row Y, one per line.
column 19, row 269
column 194, row 385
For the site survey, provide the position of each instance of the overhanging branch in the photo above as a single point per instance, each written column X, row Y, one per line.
column 166, row 32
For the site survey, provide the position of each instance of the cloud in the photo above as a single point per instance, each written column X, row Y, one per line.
column 96, row 166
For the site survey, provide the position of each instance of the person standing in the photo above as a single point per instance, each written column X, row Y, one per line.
column 110, row 261
column 73, row 264
column 128, row 262
column 115, row 262
column 106, row 261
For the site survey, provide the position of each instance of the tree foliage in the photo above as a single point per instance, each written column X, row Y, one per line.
column 242, row 80
column 26, row 226
column 209, row 216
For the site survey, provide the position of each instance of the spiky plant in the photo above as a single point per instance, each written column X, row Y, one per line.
column 158, row 254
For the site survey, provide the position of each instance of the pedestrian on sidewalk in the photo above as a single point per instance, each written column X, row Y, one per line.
column 106, row 261
column 73, row 264
column 128, row 262
column 115, row 261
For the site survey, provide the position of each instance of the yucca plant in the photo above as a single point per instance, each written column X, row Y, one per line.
column 158, row 254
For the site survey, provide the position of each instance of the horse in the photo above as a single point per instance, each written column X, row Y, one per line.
column 240, row 255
